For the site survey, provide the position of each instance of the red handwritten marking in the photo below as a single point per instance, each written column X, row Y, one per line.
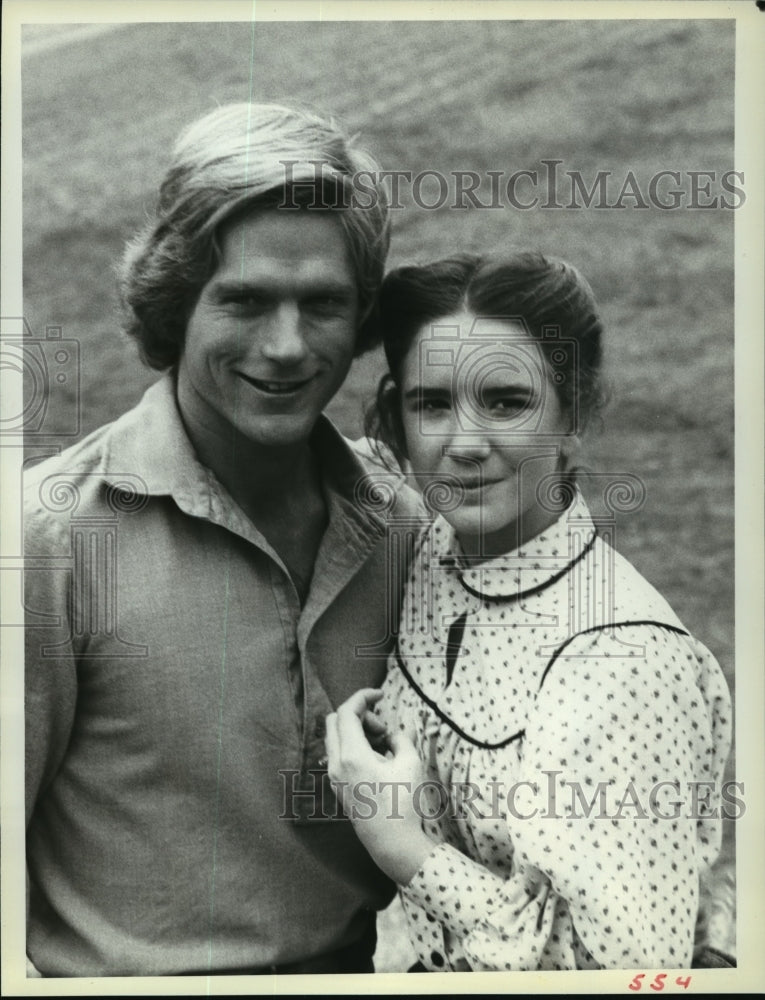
column 657, row 985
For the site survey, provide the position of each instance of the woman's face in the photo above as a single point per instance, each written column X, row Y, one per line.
column 483, row 426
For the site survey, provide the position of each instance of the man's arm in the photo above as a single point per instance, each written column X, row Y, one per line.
column 50, row 675
column 50, row 681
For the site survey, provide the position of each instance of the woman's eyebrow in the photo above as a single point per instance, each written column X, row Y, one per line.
column 421, row 391
column 509, row 389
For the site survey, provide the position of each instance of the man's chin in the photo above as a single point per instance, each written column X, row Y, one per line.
column 280, row 432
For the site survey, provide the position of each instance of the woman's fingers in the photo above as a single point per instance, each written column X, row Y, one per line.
column 373, row 723
column 356, row 740
column 331, row 741
column 405, row 752
column 401, row 744
column 361, row 701
column 376, row 733
column 351, row 717
column 349, row 753
column 352, row 739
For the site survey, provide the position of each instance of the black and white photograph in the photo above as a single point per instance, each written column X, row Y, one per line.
column 382, row 463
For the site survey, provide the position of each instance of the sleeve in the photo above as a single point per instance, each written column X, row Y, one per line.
column 50, row 676
column 502, row 924
column 609, row 827
column 397, row 708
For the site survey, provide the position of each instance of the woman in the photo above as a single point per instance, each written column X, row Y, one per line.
column 552, row 721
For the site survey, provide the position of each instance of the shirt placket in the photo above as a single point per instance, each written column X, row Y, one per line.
column 347, row 543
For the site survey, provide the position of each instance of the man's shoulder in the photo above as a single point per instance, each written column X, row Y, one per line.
column 69, row 469
column 85, row 455
column 119, row 454
column 76, row 481
column 375, row 457
column 384, row 475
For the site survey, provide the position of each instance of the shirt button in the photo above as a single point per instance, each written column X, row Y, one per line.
column 437, row 958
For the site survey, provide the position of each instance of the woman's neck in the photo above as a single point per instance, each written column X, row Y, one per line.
column 488, row 545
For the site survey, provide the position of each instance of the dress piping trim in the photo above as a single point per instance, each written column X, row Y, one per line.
column 521, row 732
column 534, row 590
column 600, row 628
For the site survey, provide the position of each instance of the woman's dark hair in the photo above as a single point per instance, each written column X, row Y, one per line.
column 548, row 296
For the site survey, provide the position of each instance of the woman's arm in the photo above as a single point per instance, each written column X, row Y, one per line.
column 377, row 788
column 379, row 794
column 627, row 742
column 623, row 752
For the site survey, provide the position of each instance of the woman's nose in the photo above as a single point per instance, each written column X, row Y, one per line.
column 282, row 340
column 468, row 446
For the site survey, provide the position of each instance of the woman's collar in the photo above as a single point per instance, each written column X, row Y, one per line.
column 532, row 567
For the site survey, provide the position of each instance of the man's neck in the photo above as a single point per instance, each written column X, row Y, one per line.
column 260, row 478
column 280, row 491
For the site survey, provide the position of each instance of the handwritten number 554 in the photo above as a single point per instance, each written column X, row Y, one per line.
column 658, row 983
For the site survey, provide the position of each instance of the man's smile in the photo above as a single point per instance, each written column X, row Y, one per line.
column 277, row 387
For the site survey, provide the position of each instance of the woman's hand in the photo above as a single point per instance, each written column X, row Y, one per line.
column 377, row 787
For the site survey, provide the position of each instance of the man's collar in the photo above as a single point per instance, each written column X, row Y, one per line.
column 151, row 442
column 534, row 566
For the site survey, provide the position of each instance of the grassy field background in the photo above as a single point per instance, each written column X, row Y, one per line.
column 101, row 113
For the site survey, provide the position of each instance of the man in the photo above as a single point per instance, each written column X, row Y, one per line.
column 205, row 584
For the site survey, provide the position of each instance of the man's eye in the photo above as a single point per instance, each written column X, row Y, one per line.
column 327, row 303
column 244, row 300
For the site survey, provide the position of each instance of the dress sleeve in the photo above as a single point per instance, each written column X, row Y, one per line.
column 614, row 815
column 399, row 707
column 501, row 923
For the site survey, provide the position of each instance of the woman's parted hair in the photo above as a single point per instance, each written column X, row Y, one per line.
column 547, row 294
column 239, row 158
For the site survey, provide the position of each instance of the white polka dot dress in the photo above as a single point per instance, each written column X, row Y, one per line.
column 565, row 718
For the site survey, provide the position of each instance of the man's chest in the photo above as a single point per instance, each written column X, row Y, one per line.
column 198, row 626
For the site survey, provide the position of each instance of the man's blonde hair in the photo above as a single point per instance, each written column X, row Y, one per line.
column 237, row 159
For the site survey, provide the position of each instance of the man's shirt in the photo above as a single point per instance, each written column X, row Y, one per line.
column 178, row 817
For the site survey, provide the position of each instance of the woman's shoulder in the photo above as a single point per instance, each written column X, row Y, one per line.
column 626, row 594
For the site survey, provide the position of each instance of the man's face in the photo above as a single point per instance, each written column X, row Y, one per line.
column 273, row 332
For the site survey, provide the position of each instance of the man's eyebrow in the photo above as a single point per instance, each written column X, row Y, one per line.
column 335, row 286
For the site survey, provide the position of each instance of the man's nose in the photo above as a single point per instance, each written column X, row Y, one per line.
column 282, row 340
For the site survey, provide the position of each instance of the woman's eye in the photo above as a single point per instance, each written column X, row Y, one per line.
column 507, row 407
column 433, row 405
